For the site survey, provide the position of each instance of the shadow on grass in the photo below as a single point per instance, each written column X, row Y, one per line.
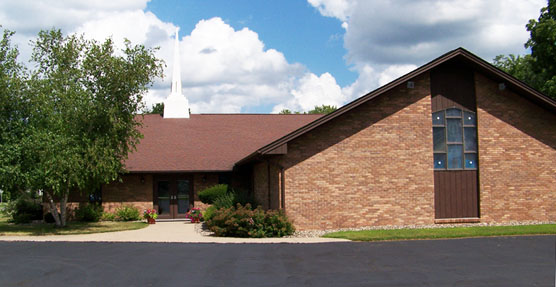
column 41, row 229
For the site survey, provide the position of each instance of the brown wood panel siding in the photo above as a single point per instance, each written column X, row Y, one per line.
column 455, row 194
column 452, row 85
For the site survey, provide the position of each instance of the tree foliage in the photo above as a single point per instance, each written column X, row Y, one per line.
column 323, row 109
column 157, row 108
column 14, row 110
column 539, row 68
column 80, row 120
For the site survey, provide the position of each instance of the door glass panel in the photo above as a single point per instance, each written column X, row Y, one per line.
column 438, row 118
column 439, row 139
column 470, row 139
column 163, row 196
column 455, row 156
column 183, row 196
column 454, row 130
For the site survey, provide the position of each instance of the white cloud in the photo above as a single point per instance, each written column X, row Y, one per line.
column 385, row 39
column 333, row 8
column 223, row 70
column 314, row 91
column 412, row 32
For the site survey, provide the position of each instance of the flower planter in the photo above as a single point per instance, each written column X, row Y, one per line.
column 195, row 220
column 151, row 220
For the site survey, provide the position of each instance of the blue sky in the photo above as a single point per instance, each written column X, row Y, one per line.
column 295, row 28
column 264, row 56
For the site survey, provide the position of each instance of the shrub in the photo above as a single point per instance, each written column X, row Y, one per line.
column 209, row 195
column 127, row 213
column 90, row 212
column 232, row 198
column 243, row 221
column 108, row 216
column 209, row 212
column 24, row 210
column 226, row 200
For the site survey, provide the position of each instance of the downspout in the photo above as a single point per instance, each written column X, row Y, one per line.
column 282, row 188
column 268, row 180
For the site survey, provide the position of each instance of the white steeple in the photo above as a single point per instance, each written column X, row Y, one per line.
column 176, row 105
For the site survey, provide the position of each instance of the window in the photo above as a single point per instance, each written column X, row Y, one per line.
column 96, row 196
column 454, row 139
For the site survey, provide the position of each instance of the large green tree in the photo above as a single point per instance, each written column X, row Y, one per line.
column 14, row 110
column 539, row 68
column 83, row 99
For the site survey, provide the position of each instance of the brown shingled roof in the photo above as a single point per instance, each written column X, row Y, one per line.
column 207, row 142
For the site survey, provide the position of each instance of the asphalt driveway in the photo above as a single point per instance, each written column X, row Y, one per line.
column 502, row 261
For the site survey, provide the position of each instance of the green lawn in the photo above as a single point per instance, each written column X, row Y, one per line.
column 435, row 233
column 7, row 229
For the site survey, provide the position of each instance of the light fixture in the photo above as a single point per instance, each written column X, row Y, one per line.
column 142, row 179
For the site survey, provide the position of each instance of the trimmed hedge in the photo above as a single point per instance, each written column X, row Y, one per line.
column 209, row 195
column 243, row 221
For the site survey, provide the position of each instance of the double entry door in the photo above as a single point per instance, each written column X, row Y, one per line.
column 173, row 195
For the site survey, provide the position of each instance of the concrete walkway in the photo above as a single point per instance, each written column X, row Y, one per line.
column 163, row 232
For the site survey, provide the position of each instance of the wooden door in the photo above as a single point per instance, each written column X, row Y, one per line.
column 172, row 194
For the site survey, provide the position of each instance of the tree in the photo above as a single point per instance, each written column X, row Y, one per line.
column 82, row 122
column 14, row 110
column 157, row 108
column 323, row 109
column 543, row 47
column 539, row 68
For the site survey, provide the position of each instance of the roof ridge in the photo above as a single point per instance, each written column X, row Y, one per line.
column 481, row 63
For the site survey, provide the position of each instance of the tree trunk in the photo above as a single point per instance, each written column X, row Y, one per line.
column 53, row 209
column 63, row 207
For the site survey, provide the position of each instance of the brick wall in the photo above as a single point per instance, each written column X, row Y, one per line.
column 517, row 156
column 202, row 181
column 131, row 191
column 371, row 166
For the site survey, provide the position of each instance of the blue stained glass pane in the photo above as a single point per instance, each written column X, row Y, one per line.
column 438, row 118
column 470, row 160
column 439, row 139
column 454, row 130
column 453, row 112
column 455, row 156
column 470, row 139
column 469, row 118
column 439, row 161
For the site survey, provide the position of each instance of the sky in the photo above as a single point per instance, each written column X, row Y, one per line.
column 264, row 56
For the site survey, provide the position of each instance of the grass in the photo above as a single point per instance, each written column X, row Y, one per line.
column 437, row 233
column 10, row 229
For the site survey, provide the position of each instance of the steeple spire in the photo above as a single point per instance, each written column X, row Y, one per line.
column 176, row 74
column 176, row 105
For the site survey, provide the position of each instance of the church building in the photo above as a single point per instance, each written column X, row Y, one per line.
column 456, row 140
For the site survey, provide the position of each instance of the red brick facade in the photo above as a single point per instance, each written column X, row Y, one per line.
column 135, row 190
column 517, row 156
column 373, row 165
